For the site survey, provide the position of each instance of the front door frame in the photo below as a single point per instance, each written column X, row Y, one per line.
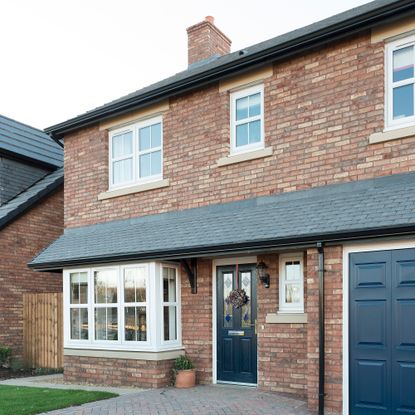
column 364, row 246
column 218, row 263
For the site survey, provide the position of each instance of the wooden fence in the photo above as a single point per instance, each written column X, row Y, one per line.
column 43, row 330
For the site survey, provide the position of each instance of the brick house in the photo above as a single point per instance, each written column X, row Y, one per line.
column 286, row 169
column 31, row 217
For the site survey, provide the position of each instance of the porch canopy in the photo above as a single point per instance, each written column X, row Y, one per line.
column 377, row 207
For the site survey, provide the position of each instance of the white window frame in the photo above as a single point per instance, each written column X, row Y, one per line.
column 283, row 306
column 170, row 303
column 154, row 311
column 134, row 129
column 234, row 96
column 391, row 47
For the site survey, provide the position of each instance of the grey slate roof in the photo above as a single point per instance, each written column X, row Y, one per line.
column 325, row 30
column 29, row 142
column 377, row 206
column 25, row 200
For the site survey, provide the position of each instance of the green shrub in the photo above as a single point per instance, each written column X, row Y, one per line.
column 17, row 365
column 5, row 353
column 40, row 371
column 183, row 363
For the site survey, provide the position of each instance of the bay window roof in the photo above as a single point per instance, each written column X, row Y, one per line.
column 381, row 206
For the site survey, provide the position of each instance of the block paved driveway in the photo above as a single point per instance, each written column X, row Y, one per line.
column 201, row 400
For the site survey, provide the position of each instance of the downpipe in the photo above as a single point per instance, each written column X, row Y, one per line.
column 321, row 370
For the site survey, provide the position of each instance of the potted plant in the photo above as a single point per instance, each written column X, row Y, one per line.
column 184, row 372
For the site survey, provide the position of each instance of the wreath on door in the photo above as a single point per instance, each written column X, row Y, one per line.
column 238, row 296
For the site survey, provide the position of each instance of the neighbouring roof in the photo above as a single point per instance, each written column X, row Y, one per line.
column 25, row 200
column 297, row 41
column 28, row 142
column 379, row 206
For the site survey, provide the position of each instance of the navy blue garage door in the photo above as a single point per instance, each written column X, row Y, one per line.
column 382, row 332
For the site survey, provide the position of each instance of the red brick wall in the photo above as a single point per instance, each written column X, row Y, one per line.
column 20, row 241
column 319, row 112
column 118, row 372
column 282, row 348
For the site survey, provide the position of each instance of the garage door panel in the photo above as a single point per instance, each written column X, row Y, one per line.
column 405, row 273
column 370, row 275
column 404, row 323
column 370, row 322
column 371, row 384
column 404, row 387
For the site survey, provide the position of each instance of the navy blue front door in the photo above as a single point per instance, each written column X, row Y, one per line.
column 236, row 334
column 382, row 332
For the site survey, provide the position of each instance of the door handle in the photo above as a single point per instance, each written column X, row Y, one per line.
column 256, row 326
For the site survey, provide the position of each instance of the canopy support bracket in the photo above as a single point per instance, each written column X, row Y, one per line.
column 191, row 271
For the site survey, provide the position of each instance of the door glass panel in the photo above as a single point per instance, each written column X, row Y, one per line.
column 246, row 308
column 227, row 308
column 292, row 271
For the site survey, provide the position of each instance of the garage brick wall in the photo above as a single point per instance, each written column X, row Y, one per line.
column 20, row 241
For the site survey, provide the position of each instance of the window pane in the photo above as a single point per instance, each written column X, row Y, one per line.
column 293, row 271
column 79, row 323
column 241, row 108
column 403, row 64
column 145, row 165
column 135, row 285
column 122, row 171
column 254, row 132
column 105, row 286
column 169, row 285
column 135, row 324
column 145, row 138
column 155, row 163
column 241, row 135
column 255, row 105
column 122, row 144
column 79, row 288
column 156, row 135
column 227, row 308
column 246, row 308
column 170, row 323
column 106, row 323
column 403, row 101
column 292, row 293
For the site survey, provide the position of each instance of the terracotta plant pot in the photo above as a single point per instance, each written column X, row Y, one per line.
column 185, row 378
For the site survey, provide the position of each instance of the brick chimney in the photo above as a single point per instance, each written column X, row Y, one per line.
column 205, row 41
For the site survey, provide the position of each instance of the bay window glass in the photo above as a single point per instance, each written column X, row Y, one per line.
column 169, row 304
column 135, row 305
column 291, row 284
column 401, row 80
column 136, row 153
column 106, row 307
column 247, row 119
column 78, row 283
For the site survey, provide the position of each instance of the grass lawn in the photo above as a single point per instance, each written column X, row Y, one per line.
column 15, row 400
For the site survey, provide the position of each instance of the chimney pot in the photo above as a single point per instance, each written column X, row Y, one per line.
column 210, row 19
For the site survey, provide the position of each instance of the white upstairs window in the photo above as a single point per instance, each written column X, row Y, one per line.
column 291, row 284
column 136, row 153
column 400, row 97
column 247, row 119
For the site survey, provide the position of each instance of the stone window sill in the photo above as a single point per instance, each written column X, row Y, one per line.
column 285, row 318
column 120, row 354
column 389, row 135
column 134, row 189
column 239, row 158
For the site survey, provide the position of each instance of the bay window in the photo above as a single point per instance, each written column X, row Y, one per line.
column 133, row 306
column 291, row 285
column 136, row 153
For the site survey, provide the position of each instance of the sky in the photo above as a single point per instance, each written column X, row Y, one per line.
column 60, row 58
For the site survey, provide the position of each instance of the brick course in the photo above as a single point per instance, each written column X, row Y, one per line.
column 20, row 241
